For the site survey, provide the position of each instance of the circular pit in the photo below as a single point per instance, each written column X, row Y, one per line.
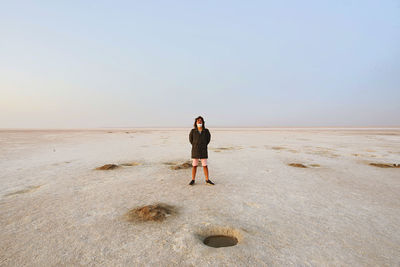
column 218, row 241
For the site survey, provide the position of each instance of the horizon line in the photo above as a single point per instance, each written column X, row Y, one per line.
column 222, row 127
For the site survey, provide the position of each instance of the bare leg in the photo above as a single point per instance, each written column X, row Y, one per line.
column 205, row 169
column 194, row 169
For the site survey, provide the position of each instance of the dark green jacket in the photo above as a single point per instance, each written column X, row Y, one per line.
column 199, row 143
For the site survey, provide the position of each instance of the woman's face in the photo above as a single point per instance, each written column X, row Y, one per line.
column 199, row 121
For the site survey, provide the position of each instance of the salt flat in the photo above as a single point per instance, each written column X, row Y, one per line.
column 57, row 210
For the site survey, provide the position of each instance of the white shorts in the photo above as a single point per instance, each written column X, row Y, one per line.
column 196, row 162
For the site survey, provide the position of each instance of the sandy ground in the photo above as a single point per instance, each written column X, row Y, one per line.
column 56, row 210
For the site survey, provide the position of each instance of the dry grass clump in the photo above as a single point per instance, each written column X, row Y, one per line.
column 225, row 148
column 185, row 165
column 297, row 165
column 278, row 147
column 176, row 166
column 108, row 167
column 301, row 165
column 315, row 165
column 385, row 165
column 157, row 212
column 130, row 164
column 114, row 166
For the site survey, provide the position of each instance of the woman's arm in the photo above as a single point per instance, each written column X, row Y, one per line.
column 191, row 137
column 208, row 136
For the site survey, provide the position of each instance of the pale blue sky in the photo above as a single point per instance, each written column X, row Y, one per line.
column 66, row 64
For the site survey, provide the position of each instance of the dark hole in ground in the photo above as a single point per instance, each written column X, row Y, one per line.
column 217, row 241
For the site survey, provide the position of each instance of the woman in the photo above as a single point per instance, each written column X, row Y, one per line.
column 199, row 137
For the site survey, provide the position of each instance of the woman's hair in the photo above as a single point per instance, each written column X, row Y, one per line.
column 199, row 117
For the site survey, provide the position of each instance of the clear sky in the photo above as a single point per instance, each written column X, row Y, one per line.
column 67, row 64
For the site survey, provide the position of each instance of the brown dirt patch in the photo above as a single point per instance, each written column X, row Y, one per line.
column 278, row 147
column 157, row 212
column 385, row 165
